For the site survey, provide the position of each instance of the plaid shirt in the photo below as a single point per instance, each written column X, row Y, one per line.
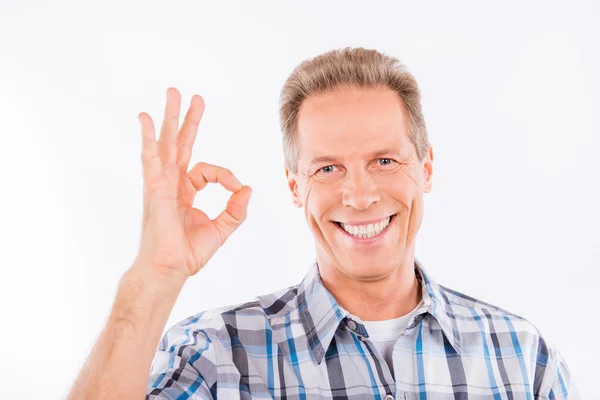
column 297, row 343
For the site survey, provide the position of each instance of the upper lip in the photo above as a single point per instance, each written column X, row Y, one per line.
column 372, row 221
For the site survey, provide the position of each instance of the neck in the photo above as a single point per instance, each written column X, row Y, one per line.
column 391, row 296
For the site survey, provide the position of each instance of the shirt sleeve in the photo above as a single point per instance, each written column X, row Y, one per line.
column 557, row 383
column 184, row 366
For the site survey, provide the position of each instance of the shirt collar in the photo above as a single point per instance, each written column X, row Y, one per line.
column 321, row 314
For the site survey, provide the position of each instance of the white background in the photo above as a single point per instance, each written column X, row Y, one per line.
column 510, row 96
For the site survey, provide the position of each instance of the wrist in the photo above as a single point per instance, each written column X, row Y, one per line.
column 143, row 277
column 161, row 276
column 144, row 300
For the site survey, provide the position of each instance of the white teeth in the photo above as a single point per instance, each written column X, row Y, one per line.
column 367, row 231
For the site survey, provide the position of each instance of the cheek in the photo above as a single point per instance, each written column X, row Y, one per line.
column 403, row 190
column 320, row 200
column 313, row 211
column 311, row 204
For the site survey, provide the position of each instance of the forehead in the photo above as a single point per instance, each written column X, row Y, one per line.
column 351, row 121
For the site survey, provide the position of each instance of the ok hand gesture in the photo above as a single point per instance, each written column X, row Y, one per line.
column 177, row 239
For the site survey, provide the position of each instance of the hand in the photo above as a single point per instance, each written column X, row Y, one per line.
column 177, row 239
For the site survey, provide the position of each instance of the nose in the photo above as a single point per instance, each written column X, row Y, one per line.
column 360, row 190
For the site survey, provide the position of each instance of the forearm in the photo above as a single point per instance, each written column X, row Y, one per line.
column 119, row 363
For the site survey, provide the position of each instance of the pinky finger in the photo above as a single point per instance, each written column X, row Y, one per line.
column 151, row 164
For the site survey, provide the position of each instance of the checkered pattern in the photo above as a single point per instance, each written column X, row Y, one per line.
column 296, row 343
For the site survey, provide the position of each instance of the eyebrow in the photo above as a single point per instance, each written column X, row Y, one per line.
column 388, row 151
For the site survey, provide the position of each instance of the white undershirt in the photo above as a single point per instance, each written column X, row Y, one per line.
column 384, row 334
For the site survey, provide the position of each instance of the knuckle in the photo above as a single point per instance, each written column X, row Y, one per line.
column 222, row 238
column 238, row 213
column 165, row 141
column 172, row 117
column 227, row 173
column 186, row 146
column 241, row 217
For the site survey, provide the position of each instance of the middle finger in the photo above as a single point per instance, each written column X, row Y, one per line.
column 188, row 132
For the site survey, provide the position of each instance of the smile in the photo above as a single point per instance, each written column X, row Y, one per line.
column 366, row 231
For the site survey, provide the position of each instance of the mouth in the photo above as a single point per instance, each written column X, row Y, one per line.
column 366, row 231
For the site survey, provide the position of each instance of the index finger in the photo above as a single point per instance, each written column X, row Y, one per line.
column 167, row 142
column 203, row 173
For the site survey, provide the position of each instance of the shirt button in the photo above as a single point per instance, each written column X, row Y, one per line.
column 389, row 397
column 351, row 324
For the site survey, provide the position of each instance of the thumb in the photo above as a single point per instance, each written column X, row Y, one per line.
column 235, row 213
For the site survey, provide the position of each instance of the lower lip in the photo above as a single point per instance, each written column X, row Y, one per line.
column 371, row 239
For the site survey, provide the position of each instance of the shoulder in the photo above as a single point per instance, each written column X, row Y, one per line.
column 201, row 337
column 503, row 330
column 472, row 308
column 509, row 336
column 251, row 314
column 473, row 315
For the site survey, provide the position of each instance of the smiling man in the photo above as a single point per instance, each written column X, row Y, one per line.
column 361, row 180
column 367, row 321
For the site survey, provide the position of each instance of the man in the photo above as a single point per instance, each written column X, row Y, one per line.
column 367, row 321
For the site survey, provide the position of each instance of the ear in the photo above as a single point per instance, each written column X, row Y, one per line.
column 293, row 186
column 428, row 166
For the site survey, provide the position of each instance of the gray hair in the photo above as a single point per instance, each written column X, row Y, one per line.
column 349, row 67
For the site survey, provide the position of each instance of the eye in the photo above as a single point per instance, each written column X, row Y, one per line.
column 385, row 161
column 327, row 169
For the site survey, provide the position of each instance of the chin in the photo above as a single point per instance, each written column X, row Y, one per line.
column 363, row 266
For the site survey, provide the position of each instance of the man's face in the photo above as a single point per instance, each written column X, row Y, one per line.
column 359, row 180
